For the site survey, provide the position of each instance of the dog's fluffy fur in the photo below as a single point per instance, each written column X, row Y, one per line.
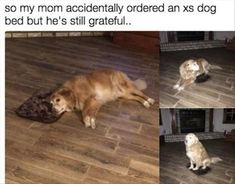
column 190, row 69
column 89, row 92
column 197, row 154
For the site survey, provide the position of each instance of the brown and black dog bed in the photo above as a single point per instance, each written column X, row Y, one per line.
column 202, row 78
column 38, row 108
column 200, row 171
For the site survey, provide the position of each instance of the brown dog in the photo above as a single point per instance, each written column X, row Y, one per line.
column 190, row 69
column 89, row 92
column 197, row 154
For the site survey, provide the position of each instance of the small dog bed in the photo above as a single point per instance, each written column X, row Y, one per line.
column 202, row 78
column 200, row 171
column 38, row 108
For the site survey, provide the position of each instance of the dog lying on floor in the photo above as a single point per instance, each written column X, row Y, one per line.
column 191, row 69
column 197, row 154
column 89, row 92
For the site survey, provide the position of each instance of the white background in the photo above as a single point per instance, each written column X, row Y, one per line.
column 223, row 20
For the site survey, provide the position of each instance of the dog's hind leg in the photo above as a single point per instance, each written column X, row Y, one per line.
column 191, row 164
column 137, row 98
column 136, row 92
column 196, row 167
column 205, row 163
column 89, row 112
column 131, row 92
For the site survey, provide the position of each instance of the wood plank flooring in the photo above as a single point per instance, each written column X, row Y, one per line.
column 174, row 160
column 123, row 149
column 219, row 91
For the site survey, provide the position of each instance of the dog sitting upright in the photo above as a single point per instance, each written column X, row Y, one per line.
column 89, row 92
column 197, row 154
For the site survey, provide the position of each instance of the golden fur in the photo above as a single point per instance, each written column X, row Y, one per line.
column 89, row 92
column 197, row 154
column 190, row 69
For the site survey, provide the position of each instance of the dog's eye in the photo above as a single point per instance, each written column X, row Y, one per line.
column 57, row 100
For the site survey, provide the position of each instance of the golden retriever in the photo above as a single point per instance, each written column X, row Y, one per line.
column 190, row 69
column 89, row 92
column 197, row 154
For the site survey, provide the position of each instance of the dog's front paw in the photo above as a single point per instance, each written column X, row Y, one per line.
column 180, row 88
column 146, row 104
column 93, row 125
column 151, row 101
column 176, row 86
column 195, row 168
column 89, row 122
column 204, row 167
column 191, row 167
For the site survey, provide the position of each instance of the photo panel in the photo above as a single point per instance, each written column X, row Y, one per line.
column 197, row 69
column 103, row 139
column 197, row 145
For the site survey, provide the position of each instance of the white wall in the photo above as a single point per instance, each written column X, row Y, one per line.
column 165, row 128
column 222, row 35
column 163, row 37
column 218, row 122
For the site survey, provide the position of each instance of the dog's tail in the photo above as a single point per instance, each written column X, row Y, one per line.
column 215, row 67
column 140, row 84
column 215, row 160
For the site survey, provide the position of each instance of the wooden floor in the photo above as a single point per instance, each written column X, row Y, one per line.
column 124, row 147
column 219, row 91
column 173, row 163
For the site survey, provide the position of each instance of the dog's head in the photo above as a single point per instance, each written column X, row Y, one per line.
column 191, row 65
column 63, row 100
column 191, row 139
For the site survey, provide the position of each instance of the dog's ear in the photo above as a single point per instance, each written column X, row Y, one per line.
column 68, row 96
column 186, row 66
column 65, row 92
column 196, row 140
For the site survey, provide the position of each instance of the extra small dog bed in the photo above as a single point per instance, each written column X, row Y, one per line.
column 38, row 108
column 202, row 78
column 200, row 171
